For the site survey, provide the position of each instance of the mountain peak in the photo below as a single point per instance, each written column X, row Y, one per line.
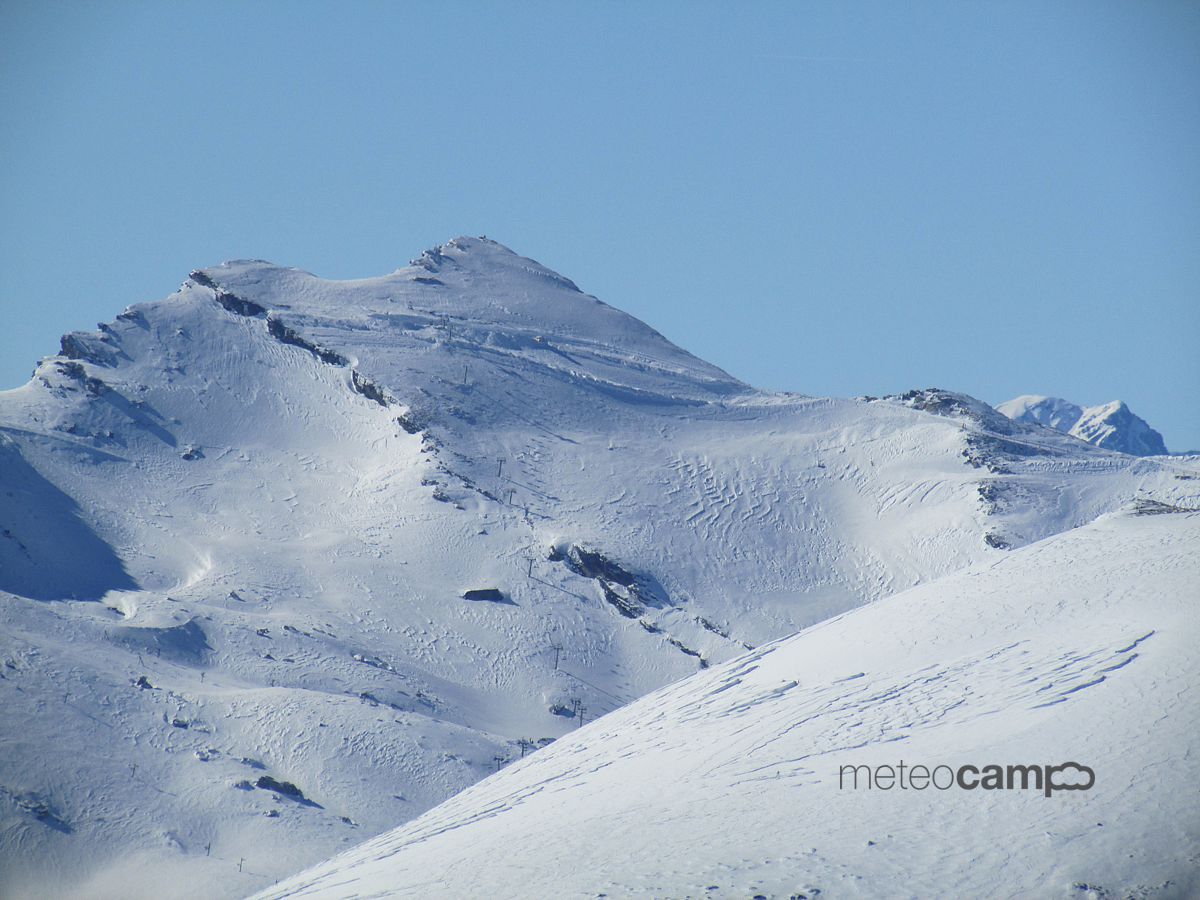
column 481, row 254
column 441, row 517
column 467, row 309
column 1113, row 425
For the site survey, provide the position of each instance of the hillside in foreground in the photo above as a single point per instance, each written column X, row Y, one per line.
column 733, row 783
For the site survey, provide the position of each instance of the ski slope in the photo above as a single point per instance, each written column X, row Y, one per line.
column 1080, row 648
column 374, row 539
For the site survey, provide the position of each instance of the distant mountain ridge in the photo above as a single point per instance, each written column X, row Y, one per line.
column 1113, row 426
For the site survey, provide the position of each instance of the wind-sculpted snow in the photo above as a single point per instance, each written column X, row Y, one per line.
column 258, row 529
column 751, row 779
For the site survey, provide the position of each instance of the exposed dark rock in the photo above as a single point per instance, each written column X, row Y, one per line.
column 286, row 335
column 488, row 595
column 1147, row 507
column 592, row 564
column 947, row 403
column 628, row 592
column 688, row 650
column 709, row 626
column 284, row 788
column 369, row 389
column 76, row 372
column 202, row 279
column 238, row 306
column 989, row 493
column 80, row 345
column 408, row 423
column 625, row 605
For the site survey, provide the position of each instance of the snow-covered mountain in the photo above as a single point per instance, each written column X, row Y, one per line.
column 1110, row 425
column 1114, row 426
column 285, row 562
column 1052, row 412
column 829, row 764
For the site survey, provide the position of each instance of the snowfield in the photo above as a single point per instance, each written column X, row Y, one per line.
column 287, row 562
column 1081, row 648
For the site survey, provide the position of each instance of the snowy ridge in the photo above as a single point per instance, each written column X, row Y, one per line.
column 1051, row 412
column 1110, row 425
column 1070, row 650
column 1115, row 426
column 373, row 539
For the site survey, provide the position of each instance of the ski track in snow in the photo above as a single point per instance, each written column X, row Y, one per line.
column 726, row 784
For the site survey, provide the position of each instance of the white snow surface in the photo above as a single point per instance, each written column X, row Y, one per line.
column 1113, row 426
column 1052, row 412
column 1081, row 648
column 237, row 525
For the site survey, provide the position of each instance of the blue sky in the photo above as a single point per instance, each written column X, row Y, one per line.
column 834, row 198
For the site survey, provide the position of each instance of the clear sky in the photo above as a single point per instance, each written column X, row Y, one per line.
column 835, row 198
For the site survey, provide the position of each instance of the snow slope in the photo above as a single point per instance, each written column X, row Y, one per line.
column 1113, row 425
column 239, row 527
column 1110, row 425
column 1081, row 648
column 1052, row 412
